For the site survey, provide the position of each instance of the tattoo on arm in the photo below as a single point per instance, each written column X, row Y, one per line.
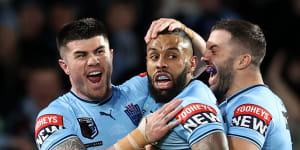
column 70, row 144
column 214, row 141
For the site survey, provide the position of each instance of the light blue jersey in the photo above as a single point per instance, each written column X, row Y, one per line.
column 97, row 124
column 256, row 114
column 200, row 117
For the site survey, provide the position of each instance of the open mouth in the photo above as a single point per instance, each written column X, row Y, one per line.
column 163, row 80
column 94, row 77
column 213, row 74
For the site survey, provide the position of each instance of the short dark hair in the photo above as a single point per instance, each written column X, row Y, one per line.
column 247, row 34
column 80, row 29
column 178, row 32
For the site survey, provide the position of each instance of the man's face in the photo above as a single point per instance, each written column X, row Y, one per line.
column 220, row 58
column 89, row 65
column 168, row 66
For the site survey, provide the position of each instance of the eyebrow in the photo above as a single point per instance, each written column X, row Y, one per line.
column 171, row 48
column 80, row 51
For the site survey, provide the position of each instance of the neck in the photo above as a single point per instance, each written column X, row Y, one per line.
column 244, row 79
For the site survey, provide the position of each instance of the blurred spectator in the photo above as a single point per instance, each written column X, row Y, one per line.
column 283, row 77
column 58, row 14
column 211, row 12
column 42, row 84
column 9, row 66
column 121, row 20
column 171, row 8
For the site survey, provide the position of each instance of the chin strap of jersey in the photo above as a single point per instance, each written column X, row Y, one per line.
column 135, row 140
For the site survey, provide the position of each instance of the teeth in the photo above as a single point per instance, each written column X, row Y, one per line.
column 162, row 83
column 163, row 78
column 94, row 73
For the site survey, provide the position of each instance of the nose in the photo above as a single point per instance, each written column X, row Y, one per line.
column 206, row 57
column 93, row 60
column 161, row 64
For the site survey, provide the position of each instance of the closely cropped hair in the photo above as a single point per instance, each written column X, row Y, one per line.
column 178, row 32
column 249, row 35
column 80, row 29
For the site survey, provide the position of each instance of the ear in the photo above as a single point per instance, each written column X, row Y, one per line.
column 194, row 63
column 64, row 66
column 112, row 53
column 244, row 61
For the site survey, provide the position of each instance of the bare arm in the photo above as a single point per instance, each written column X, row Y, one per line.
column 198, row 42
column 70, row 144
column 236, row 143
column 214, row 141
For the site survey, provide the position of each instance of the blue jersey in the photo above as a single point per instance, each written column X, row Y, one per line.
column 200, row 117
column 97, row 124
column 256, row 114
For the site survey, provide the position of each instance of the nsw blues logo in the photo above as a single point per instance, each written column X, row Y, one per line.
column 134, row 112
column 88, row 127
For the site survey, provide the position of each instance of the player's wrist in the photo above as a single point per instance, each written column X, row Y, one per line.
column 135, row 140
column 189, row 31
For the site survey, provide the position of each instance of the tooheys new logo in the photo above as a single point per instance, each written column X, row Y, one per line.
column 252, row 117
column 45, row 126
column 197, row 114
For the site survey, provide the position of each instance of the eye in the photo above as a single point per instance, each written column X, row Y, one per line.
column 80, row 55
column 99, row 51
column 172, row 56
column 212, row 49
column 153, row 57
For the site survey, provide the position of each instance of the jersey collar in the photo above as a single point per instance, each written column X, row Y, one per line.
column 100, row 102
column 243, row 90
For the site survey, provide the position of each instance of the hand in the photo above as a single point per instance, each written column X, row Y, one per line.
column 161, row 24
column 157, row 123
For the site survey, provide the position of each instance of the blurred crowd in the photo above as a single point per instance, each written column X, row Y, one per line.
column 31, row 78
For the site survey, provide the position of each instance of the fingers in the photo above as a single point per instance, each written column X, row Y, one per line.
column 172, row 124
column 159, row 25
column 172, row 115
column 169, row 106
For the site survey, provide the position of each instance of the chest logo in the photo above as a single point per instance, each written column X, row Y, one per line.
column 134, row 113
column 107, row 114
column 88, row 127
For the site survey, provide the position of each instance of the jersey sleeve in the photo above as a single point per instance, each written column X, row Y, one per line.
column 249, row 120
column 200, row 115
column 54, row 125
column 199, row 119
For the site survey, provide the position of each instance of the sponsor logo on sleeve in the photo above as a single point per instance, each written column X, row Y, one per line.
column 252, row 117
column 197, row 114
column 47, row 125
column 134, row 113
column 88, row 127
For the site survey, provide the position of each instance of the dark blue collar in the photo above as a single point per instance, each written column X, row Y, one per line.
column 100, row 102
column 243, row 90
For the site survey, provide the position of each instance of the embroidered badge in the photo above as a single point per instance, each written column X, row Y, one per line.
column 134, row 112
column 88, row 127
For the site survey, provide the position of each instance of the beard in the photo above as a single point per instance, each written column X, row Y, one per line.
column 226, row 76
column 164, row 96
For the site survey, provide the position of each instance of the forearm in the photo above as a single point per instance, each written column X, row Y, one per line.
column 197, row 40
column 70, row 144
